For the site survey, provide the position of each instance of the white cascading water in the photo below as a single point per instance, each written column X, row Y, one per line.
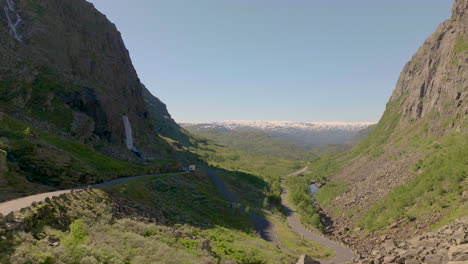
column 128, row 133
column 9, row 10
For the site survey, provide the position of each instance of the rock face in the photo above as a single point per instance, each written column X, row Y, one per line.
column 435, row 80
column 162, row 120
column 426, row 110
column 66, row 64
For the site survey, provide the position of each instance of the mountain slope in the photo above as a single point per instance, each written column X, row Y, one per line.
column 72, row 108
column 410, row 172
column 254, row 142
column 64, row 66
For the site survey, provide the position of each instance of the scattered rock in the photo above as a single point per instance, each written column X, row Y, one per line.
column 54, row 244
column 433, row 259
column 389, row 259
column 449, row 243
column 458, row 253
column 305, row 259
column 389, row 245
column 465, row 195
column 459, row 236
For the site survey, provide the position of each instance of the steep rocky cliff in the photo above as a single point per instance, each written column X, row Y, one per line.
column 435, row 80
column 410, row 173
column 73, row 109
column 65, row 66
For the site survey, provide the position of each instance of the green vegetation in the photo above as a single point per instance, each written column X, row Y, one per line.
column 42, row 102
column 269, row 169
column 100, row 163
column 328, row 192
column 297, row 244
column 372, row 146
column 255, row 142
column 437, row 188
column 55, row 161
column 256, row 182
column 323, row 168
column 299, row 197
column 461, row 45
column 250, row 190
column 193, row 225
column 183, row 199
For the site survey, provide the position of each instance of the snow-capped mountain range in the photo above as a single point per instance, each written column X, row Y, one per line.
column 278, row 125
column 305, row 134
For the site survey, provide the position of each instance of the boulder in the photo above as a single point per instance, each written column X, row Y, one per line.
column 465, row 195
column 389, row 245
column 458, row 253
column 305, row 259
column 459, row 236
column 389, row 259
column 433, row 259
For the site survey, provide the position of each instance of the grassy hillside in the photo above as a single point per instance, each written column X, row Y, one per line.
column 255, row 142
column 38, row 161
column 434, row 181
column 255, row 180
column 173, row 219
column 338, row 148
column 266, row 168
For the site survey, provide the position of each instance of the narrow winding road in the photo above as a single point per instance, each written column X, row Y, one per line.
column 262, row 225
column 18, row 204
column 342, row 253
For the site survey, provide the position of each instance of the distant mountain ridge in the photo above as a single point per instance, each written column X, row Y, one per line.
column 318, row 126
column 305, row 134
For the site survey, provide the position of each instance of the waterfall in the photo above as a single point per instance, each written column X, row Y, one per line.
column 128, row 133
column 10, row 13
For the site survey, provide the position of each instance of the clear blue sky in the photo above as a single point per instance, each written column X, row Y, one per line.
column 305, row 60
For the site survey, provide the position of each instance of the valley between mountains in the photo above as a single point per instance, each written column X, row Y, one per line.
column 94, row 169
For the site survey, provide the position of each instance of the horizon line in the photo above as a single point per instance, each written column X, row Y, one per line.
column 290, row 121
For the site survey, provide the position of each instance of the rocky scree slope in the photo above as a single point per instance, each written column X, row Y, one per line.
column 410, row 172
column 447, row 244
column 64, row 65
